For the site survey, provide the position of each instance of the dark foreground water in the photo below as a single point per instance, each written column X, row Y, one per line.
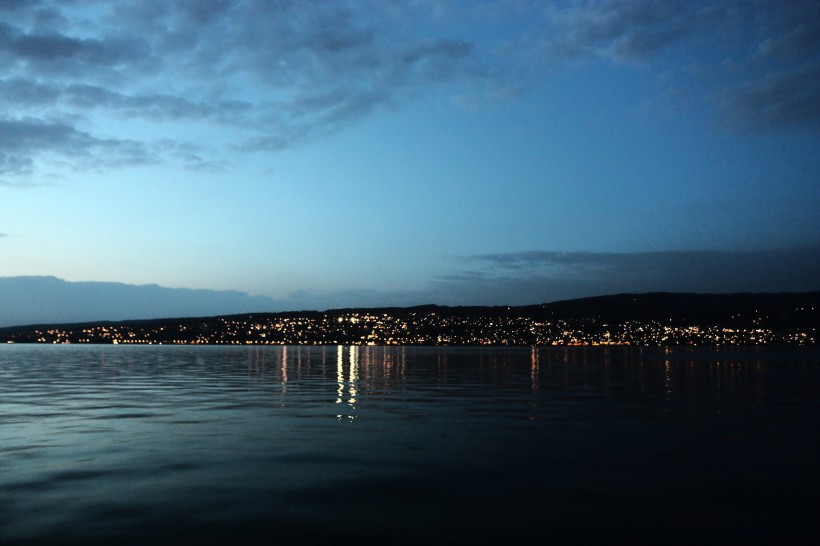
column 344, row 445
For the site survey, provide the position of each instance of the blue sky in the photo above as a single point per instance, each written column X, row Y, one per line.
column 379, row 153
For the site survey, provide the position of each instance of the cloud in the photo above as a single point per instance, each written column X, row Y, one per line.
column 524, row 278
column 754, row 63
column 530, row 277
column 54, row 52
column 22, row 139
column 14, row 165
column 19, row 92
column 634, row 30
column 12, row 5
column 784, row 99
column 80, row 97
column 275, row 75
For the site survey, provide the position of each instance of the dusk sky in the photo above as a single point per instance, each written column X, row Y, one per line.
column 335, row 153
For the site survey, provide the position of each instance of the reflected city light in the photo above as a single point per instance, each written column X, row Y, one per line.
column 350, row 384
column 363, row 373
column 534, row 368
column 354, row 375
column 340, row 374
column 285, row 364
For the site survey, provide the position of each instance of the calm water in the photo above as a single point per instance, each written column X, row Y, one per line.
column 159, row 445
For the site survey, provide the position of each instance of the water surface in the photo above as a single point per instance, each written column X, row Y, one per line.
column 161, row 445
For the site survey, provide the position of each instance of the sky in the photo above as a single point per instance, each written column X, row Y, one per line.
column 366, row 153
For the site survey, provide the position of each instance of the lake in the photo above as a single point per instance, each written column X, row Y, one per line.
column 401, row 445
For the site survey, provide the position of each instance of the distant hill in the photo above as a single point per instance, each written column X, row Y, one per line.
column 26, row 300
column 701, row 308
column 627, row 318
column 698, row 308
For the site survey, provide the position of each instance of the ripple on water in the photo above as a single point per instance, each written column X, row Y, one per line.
column 224, row 445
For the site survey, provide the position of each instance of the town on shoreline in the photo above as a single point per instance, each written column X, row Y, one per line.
column 625, row 319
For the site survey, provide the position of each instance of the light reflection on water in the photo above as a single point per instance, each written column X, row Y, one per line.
column 444, row 445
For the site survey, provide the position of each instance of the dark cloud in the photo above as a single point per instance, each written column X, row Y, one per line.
column 756, row 63
column 14, row 165
column 783, row 99
column 45, row 47
column 55, row 51
column 525, row 278
column 192, row 157
column 83, row 97
column 13, row 5
column 546, row 276
column 644, row 45
column 443, row 49
column 336, row 40
column 634, row 30
column 151, row 106
column 22, row 139
column 203, row 11
column 19, row 92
